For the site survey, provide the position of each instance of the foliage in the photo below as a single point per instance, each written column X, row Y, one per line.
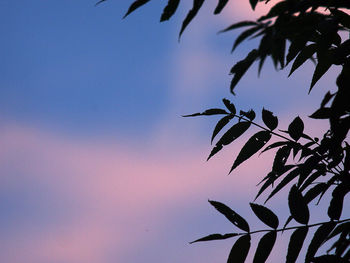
column 293, row 31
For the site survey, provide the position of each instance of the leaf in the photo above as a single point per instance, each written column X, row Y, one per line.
column 221, row 124
column 297, row 206
column 287, row 179
column 207, row 112
column 220, row 6
column 265, row 246
column 265, row 215
column 336, row 205
column 269, row 119
column 253, row 3
column 215, row 237
column 275, row 145
column 135, row 5
column 324, row 63
column 276, row 10
column 305, row 54
column 229, row 106
column 296, row 243
column 327, row 98
column 240, row 68
column 244, row 35
column 329, row 259
column 169, row 10
column 232, row 134
column 296, row 128
column 322, row 113
column 254, row 144
column 281, row 158
column 311, row 179
column 250, row 114
column 341, row 228
column 313, row 192
column 239, row 250
column 270, row 180
column 231, row 215
column 238, row 25
column 295, row 47
column 197, row 4
column 319, row 237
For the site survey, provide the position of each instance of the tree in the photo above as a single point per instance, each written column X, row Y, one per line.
column 310, row 168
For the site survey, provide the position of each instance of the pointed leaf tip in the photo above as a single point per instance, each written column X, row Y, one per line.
column 135, row 5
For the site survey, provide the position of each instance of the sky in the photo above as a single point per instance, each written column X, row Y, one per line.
column 96, row 162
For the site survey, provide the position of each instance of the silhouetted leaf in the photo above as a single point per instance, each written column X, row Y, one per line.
column 296, row 243
column 232, row 134
column 250, row 114
column 215, row 237
column 343, row 17
column 197, row 4
column 296, row 128
column 269, row 119
column 295, row 47
column 231, row 215
column 311, row 179
column 207, row 112
column 324, row 63
column 327, row 98
column 276, row 10
column 304, row 55
column 229, row 106
column 275, row 145
column 297, row 206
column 313, row 192
column 221, row 124
column 281, row 158
column 238, row 25
column 319, row 237
column 253, row 3
column 322, row 113
column 254, row 144
column 336, row 205
column 341, row 228
column 265, row 215
column 270, row 180
column 239, row 250
column 287, row 179
column 169, row 10
column 265, row 246
column 244, row 35
column 135, row 5
column 241, row 67
column 329, row 259
column 220, row 6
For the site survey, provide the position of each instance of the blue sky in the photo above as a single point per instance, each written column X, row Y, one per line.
column 97, row 164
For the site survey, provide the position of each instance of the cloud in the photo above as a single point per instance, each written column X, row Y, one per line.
column 93, row 199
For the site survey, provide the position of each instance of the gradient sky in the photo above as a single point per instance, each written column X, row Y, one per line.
column 96, row 162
